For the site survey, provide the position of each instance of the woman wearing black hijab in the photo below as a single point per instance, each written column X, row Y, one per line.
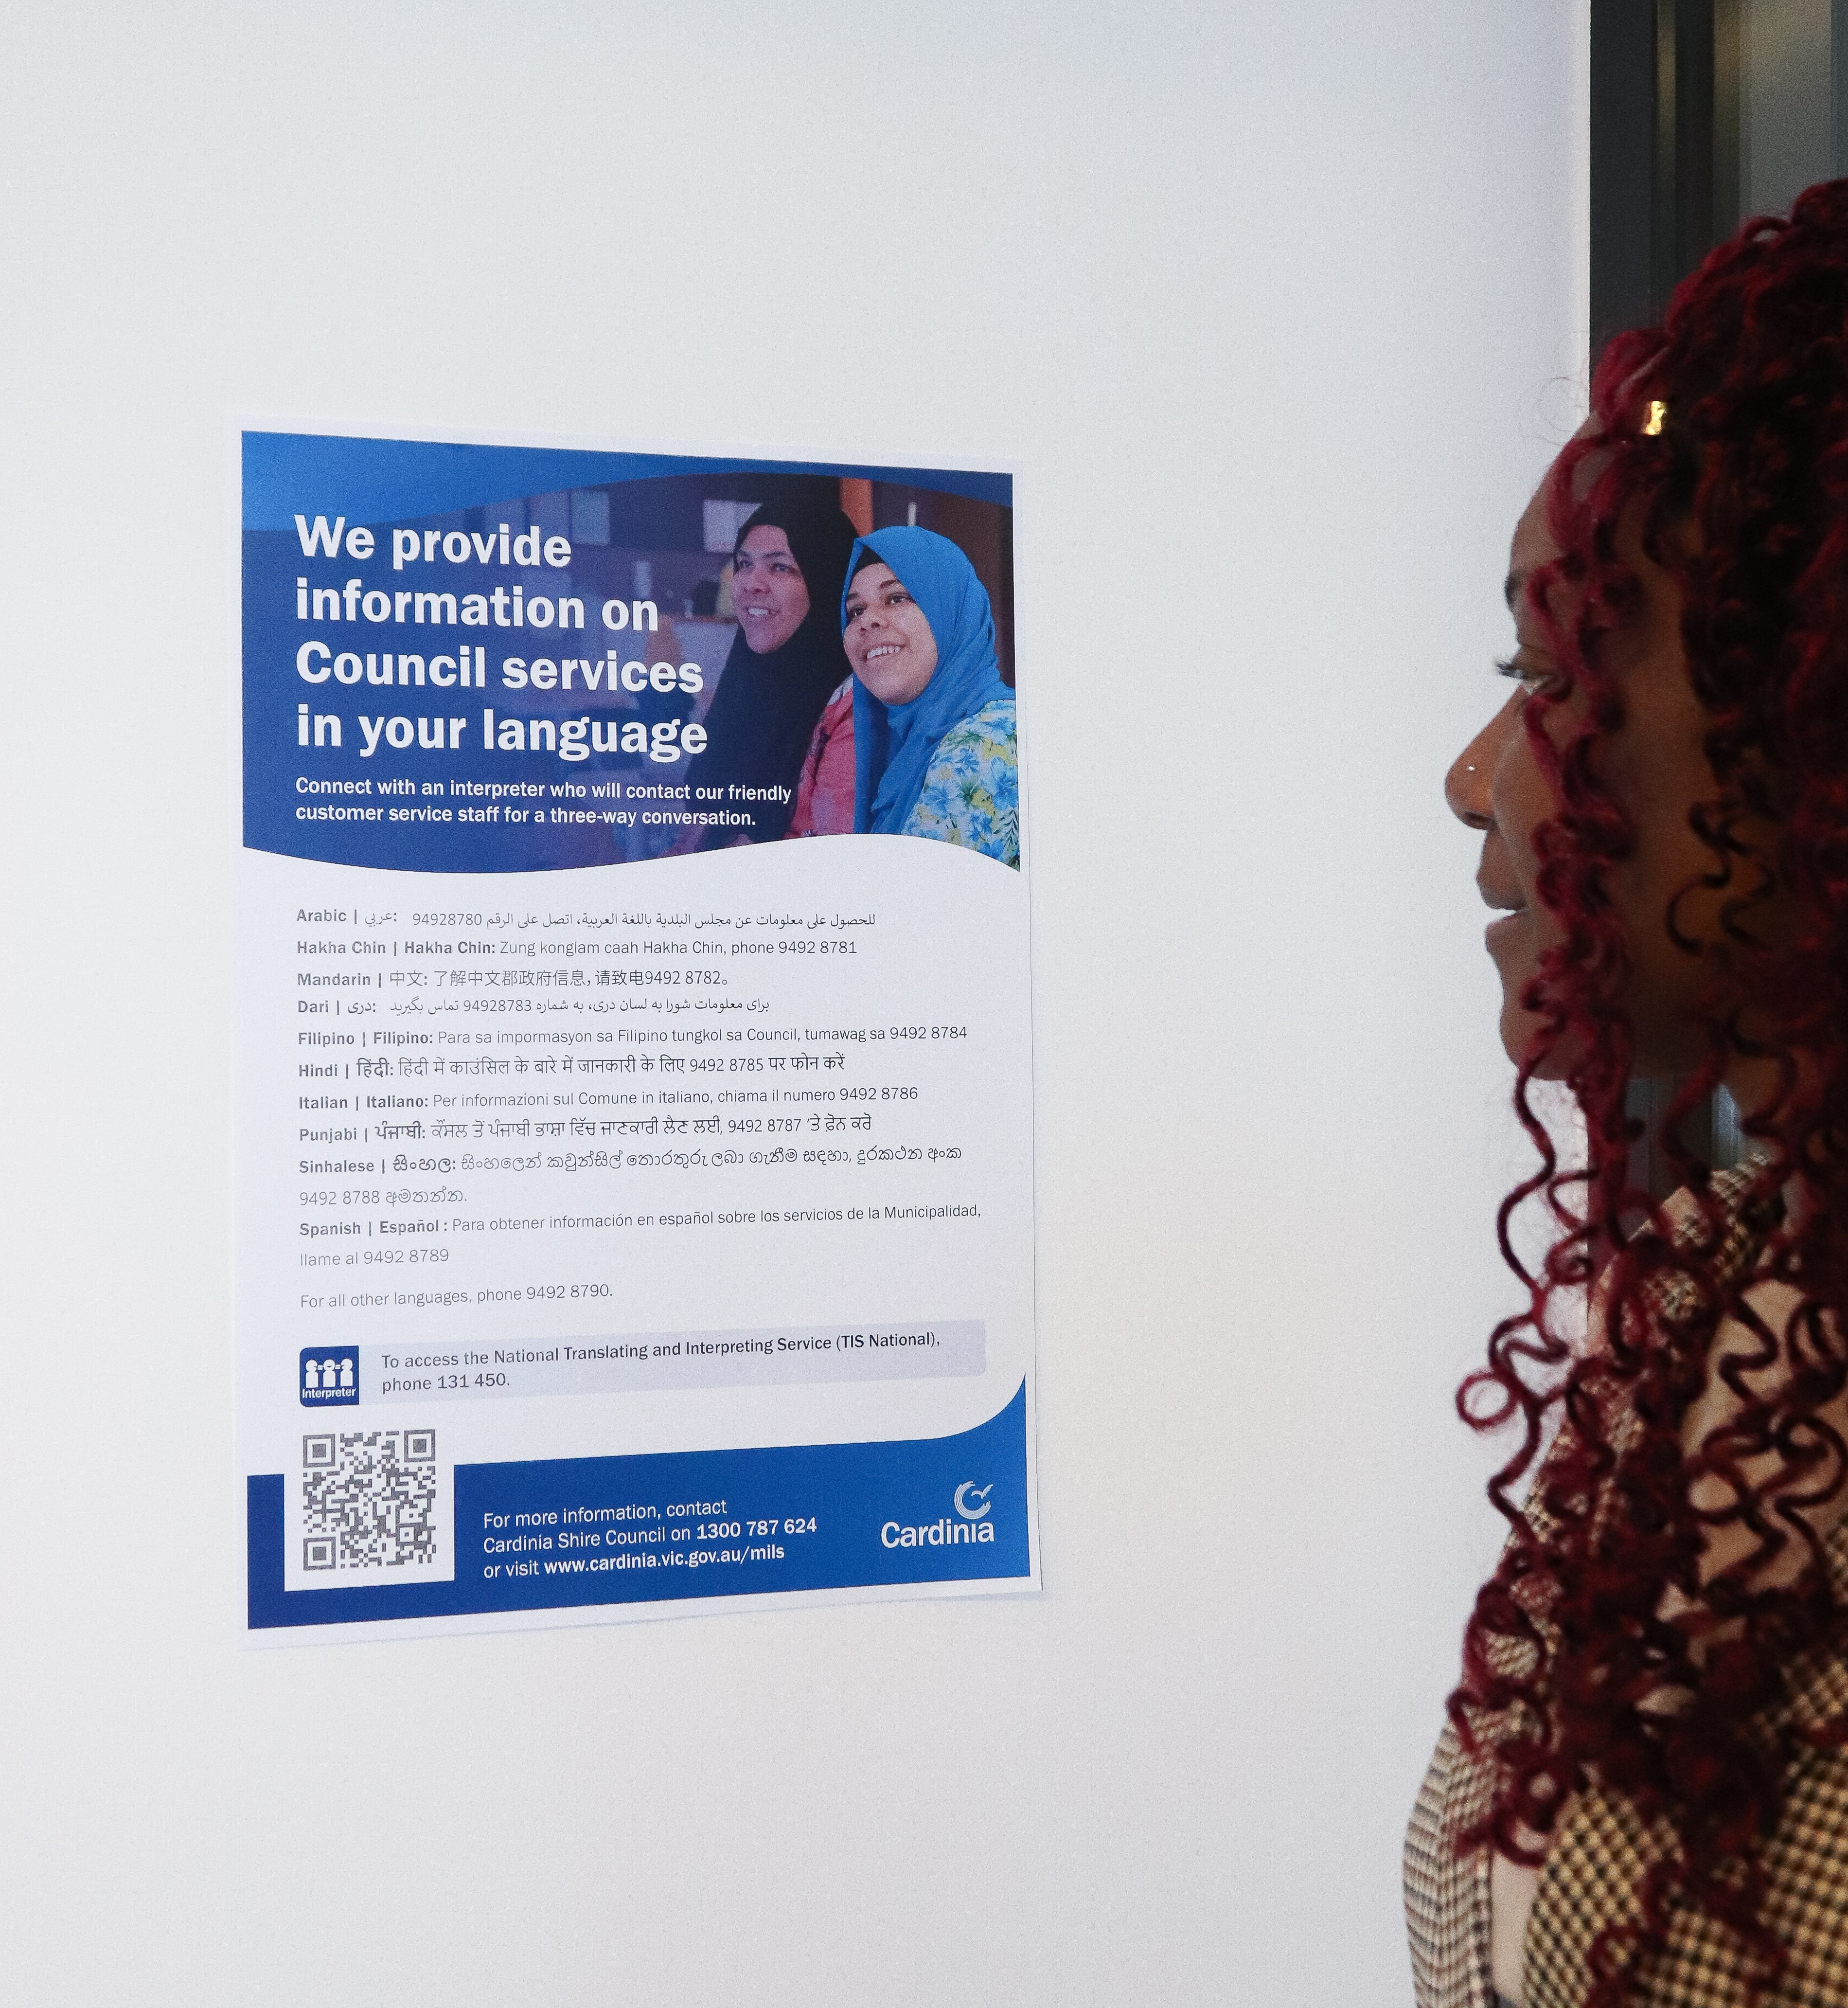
column 790, row 565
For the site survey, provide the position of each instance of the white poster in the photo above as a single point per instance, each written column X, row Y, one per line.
column 633, row 1069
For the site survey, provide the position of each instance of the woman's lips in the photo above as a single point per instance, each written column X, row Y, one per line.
column 1502, row 930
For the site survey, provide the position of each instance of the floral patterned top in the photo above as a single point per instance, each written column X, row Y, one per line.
column 971, row 793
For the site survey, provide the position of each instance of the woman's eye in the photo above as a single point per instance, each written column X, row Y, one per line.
column 1533, row 678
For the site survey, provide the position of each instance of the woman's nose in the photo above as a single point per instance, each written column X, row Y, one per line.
column 1466, row 786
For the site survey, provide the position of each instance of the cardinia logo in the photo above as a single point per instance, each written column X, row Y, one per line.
column 970, row 1526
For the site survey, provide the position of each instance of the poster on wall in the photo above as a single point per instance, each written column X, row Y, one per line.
column 633, row 1066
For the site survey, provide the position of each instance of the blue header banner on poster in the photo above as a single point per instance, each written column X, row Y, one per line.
column 475, row 659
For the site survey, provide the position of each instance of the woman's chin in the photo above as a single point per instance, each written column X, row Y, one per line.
column 1520, row 1030
column 764, row 637
column 894, row 690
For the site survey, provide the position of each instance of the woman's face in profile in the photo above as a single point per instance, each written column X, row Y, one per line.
column 1655, row 765
column 888, row 641
column 769, row 594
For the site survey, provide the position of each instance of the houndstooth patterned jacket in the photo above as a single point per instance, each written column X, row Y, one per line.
column 1601, row 1849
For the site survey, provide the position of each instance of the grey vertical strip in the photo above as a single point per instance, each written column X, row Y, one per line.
column 1838, row 77
column 1729, row 163
column 1665, row 208
column 1695, row 235
column 1623, row 134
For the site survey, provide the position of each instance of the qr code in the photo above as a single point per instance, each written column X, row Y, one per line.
column 369, row 1499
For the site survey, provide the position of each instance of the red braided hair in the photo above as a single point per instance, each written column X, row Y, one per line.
column 1573, row 1669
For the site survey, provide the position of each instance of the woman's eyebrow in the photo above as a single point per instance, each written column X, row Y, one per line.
column 1512, row 587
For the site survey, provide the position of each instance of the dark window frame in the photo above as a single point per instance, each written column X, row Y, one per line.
column 1665, row 146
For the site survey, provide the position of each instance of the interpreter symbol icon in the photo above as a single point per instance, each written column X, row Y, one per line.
column 330, row 1375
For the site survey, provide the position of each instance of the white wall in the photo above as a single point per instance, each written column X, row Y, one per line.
column 1268, row 302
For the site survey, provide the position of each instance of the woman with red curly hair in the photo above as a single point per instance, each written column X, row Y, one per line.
column 1641, row 1795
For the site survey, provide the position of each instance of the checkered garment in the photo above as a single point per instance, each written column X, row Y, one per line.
column 1601, row 1850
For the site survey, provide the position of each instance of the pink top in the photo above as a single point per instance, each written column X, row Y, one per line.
column 825, row 794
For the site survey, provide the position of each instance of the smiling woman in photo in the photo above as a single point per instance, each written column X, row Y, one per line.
column 934, row 738
column 788, row 566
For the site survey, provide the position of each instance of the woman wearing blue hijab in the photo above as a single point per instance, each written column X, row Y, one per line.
column 934, row 744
